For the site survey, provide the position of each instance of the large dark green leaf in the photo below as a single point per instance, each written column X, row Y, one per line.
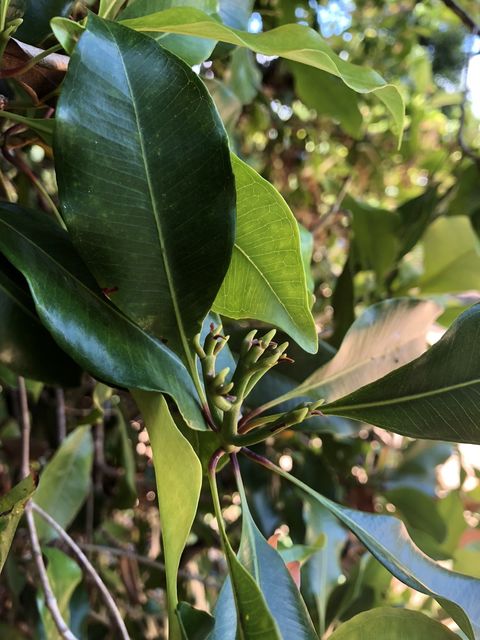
column 384, row 337
column 37, row 16
column 25, row 346
column 281, row 593
column 179, row 480
column 145, row 179
column 387, row 539
column 266, row 278
column 11, row 510
column 393, row 624
column 194, row 623
column 83, row 322
column 294, row 42
column 434, row 396
column 65, row 481
column 192, row 50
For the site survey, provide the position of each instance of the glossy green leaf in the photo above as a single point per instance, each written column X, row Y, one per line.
column 384, row 337
column 26, row 347
column 270, row 572
column 327, row 94
column 266, row 278
column 190, row 49
column 65, row 482
column 36, row 19
column 387, row 539
column 194, row 624
column 64, row 575
column 415, row 215
column 386, row 623
column 83, row 322
column 294, row 42
column 433, row 397
column 451, row 257
column 179, row 481
column 324, row 569
column 12, row 505
column 139, row 162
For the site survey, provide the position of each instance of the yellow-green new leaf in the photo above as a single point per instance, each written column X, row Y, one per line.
column 266, row 277
column 387, row 623
column 11, row 510
column 292, row 41
column 179, row 480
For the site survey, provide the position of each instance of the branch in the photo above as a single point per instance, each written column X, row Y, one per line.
column 50, row 600
column 467, row 20
column 89, row 568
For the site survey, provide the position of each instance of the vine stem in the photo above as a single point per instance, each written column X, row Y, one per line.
column 50, row 600
column 89, row 568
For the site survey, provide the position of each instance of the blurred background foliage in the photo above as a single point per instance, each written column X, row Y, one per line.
column 379, row 221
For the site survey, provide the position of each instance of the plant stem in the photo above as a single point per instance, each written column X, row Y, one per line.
column 50, row 600
column 89, row 568
column 212, row 467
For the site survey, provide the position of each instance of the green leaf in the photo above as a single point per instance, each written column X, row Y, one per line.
column 266, row 278
column 42, row 126
column 65, row 482
column 294, row 42
column 384, row 337
column 190, row 49
column 82, row 321
column 145, row 151
column 375, row 245
column 324, row 569
column 432, row 397
column 270, row 572
column 451, row 257
column 36, row 19
column 415, row 215
column 328, row 94
column 64, row 575
column 386, row 623
column 245, row 76
column 387, row 539
column 12, row 505
column 268, row 568
column 194, row 623
column 26, row 347
column 307, row 246
column 179, row 481
column 67, row 32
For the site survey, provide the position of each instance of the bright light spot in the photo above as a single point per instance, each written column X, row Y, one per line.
column 37, row 153
column 150, row 496
column 344, row 55
column 255, row 23
column 265, row 60
column 473, row 83
column 196, row 68
column 141, row 448
column 286, row 462
column 434, row 334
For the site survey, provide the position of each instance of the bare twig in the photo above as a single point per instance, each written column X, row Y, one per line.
column 89, row 568
column 460, row 12
column 50, row 600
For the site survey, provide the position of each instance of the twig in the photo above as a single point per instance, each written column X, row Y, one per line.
column 50, row 600
column 148, row 562
column 89, row 568
column 467, row 20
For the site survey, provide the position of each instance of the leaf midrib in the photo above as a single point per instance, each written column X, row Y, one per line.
column 161, row 240
column 264, row 278
column 334, row 409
